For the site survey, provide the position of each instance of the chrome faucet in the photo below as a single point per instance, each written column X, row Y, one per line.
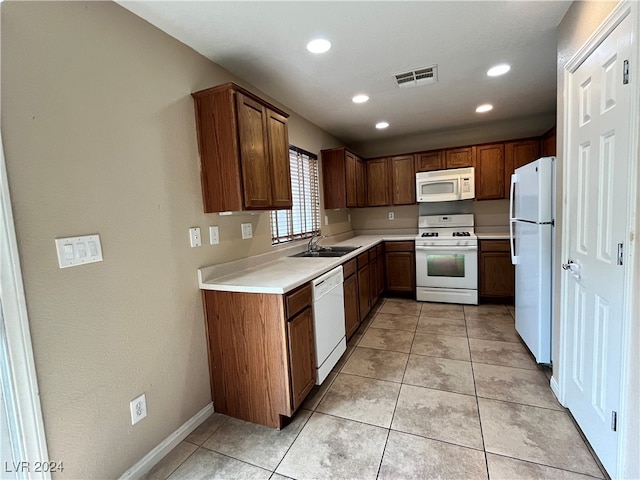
column 313, row 246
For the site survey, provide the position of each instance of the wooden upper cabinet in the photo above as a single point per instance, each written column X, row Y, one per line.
column 521, row 152
column 548, row 143
column 377, row 182
column 244, row 151
column 361, row 182
column 403, row 180
column 490, row 168
column 351, row 179
column 342, row 179
column 278, row 135
column 459, row 157
column 517, row 154
column 428, row 161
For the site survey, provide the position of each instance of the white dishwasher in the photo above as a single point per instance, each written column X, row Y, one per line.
column 328, row 321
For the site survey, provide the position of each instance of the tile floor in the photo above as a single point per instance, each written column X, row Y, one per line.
column 423, row 391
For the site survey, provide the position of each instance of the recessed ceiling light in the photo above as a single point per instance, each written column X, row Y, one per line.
column 360, row 98
column 484, row 108
column 319, row 45
column 498, row 70
column 382, row 125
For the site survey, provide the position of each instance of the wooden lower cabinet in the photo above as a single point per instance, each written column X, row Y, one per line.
column 350, row 288
column 400, row 267
column 261, row 353
column 301, row 355
column 496, row 274
column 364, row 287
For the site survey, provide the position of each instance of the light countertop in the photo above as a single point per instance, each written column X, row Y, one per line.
column 280, row 273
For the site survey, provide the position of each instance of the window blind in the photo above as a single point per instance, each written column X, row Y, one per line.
column 303, row 220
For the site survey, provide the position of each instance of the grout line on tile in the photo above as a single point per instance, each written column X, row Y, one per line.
column 545, row 465
column 294, row 441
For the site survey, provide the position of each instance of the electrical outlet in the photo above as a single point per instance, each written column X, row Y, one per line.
column 214, row 235
column 138, row 408
column 392, row 216
column 247, row 231
column 194, row 237
column 349, row 217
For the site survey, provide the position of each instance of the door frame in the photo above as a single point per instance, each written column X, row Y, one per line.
column 624, row 9
column 20, row 390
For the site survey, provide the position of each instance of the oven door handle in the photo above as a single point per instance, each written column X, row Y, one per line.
column 448, row 249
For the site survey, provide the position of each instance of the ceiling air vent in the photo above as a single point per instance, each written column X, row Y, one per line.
column 418, row 77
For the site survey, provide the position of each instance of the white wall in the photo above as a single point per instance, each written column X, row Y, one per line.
column 99, row 132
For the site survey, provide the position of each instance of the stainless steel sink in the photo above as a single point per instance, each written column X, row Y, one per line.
column 324, row 252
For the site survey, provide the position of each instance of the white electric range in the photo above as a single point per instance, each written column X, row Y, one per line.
column 447, row 259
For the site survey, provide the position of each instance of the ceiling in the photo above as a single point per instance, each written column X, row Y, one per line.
column 264, row 44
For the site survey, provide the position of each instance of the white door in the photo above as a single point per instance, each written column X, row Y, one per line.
column 596, row 215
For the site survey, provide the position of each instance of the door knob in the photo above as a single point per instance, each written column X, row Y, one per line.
column 572, row 267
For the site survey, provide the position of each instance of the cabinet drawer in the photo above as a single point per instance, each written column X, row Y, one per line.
column 363, row 259
column 349, row 268
column 399, row 246
column 494, row 245
column 298, row 300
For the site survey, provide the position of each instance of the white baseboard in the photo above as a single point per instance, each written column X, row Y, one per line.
column 555, row 388
column 163, row 448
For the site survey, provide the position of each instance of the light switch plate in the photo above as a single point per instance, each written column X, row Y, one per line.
column 195, row 238
column 214, row 235
column 74, row 251
column 247, row 231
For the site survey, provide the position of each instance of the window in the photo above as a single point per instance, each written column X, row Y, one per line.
column 303, row 220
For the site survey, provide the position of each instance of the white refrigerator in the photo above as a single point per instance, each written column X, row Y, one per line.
column 531, row 211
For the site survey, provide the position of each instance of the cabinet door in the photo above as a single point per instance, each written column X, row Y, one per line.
column 301, row 356
column 361, row 182
column 333, row 178
column 548, row 143
column 490, row 172
column 521, row 152
column 380, row 276
column 256, row 172
column 279, row 160
column 517, row 154
column 364, row 303
column 497, row 276
column 459, row 157
column 403, row 180
column 377, row 182
column 496, row 273
column 400, row 270
column 351, row 315
column 351, row 174
column 427, row 161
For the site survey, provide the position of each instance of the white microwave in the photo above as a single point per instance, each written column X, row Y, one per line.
column 445, row 185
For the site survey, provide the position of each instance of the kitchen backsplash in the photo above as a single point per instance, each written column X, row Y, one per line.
column 487, row 213
column 491, row 213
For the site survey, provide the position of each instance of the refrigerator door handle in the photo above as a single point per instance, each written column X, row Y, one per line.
column 512, row 246
column 512, row 243
column 514, row 179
